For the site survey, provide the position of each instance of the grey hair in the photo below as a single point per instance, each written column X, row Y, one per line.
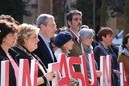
column 43, row 19
column 86, row 33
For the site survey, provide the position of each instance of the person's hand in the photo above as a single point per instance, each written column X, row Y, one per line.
column 49, row 76
column 116, row 72
column 99, row 73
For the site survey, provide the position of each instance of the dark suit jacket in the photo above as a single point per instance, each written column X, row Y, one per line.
column 23, row 53
column 43, row 53
column 3, row 57
column 101, row 51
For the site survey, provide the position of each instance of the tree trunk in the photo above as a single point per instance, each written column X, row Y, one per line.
column 104, row 15
column 126, row 28
column 45, row 6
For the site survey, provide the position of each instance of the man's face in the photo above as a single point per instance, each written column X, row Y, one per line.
column 76, row 22
column 50, row 28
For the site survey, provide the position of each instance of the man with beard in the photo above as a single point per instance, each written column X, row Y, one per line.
column 74, row 21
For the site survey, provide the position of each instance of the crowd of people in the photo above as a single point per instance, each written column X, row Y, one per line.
column 45, row 43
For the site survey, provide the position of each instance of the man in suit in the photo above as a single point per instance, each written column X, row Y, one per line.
column 47, row 25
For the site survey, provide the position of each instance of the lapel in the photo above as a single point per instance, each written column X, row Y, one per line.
column 44, row 47
column 36, row 57
column 41, row 42
column 73, row 36
column 3, row 55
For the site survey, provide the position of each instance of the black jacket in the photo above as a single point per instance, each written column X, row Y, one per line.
column 99, row 50
column 43, row 53
column 23, row 53
column 3, row 57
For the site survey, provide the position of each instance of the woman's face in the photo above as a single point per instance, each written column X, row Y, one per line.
column 31, row 43
column 88, row 41
column 10, row 40
column 68, row 45
column 127, row 45
column 108, row 39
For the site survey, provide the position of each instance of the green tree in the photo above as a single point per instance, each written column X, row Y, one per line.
column 103, row 9
column 86, row 7
column 126, row 27
column 15, row 8
column 59, row 12
column 111, row 8
column 104, row 14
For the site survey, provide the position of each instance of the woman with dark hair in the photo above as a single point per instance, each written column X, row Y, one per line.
column 8, row 37
column 105, row 35
column 124, row 55
column 8, row 18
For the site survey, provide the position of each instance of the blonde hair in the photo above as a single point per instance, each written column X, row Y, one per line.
column 25, row 31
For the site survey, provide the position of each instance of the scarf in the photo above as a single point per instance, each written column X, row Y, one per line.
column 88, row 49
column 125, row 51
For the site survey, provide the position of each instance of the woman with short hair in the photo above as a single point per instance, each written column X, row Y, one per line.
column 27, row 42
column 104, row 48
column 8, row 38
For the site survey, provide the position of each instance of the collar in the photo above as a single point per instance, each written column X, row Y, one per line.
column 24, row 49
column 74, row 36
column 43, row 38
column 125, row 51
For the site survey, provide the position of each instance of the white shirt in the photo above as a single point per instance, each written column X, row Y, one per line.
column 58, row 53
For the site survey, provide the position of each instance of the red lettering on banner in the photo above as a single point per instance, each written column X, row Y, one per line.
column 65, row 81
column 24, row 78
column 55, row 67
column 34, row 72
column 64, row 71
column 92, row 70
column 4, row 73
column 84, row 70
column 66, row 67
column 63, row 65
column 24, row 73
column 123, row 80
column 105, row 67
column 76, row 75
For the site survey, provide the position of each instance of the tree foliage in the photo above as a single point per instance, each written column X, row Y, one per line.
column 116, row 7
column 103, row 10
column 15, row 8
column 126, row 26
column 86, row 6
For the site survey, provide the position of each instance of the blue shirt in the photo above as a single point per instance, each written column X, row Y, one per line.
column 47, row 42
